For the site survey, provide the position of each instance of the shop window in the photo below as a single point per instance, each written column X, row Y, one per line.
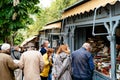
column 100, row 49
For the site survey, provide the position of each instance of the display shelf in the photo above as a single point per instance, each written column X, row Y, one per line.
column 100, row 76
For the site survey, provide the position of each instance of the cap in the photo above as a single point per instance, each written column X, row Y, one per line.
column 5, row 46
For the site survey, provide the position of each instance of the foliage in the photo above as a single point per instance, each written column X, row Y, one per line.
column 13, row 18
column 49, row 14
column 18, row 38
column 54, row 12
column 58, row 6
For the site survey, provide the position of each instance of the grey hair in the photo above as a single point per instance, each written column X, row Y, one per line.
column 86, row 45
column 44, row 41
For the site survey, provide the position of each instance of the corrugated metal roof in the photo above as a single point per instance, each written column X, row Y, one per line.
column 86, row 7
column 52, row 26
column 27, row 40
column 60, row 20
column 76, row 4
column 57, row 33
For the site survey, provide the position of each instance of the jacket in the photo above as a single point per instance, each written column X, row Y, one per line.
column 32, row 64
column 7, row 67
column 43, row 50
column 61, row 67
column 47, row 65
column 82, row 63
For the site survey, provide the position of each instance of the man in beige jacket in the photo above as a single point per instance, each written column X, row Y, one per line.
column 7, row 66
column 32, row 63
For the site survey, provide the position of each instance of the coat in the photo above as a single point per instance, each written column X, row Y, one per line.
column 7, row 67
column 47, row 65
column 61, row 67
column 32, row 64
column 82, row 63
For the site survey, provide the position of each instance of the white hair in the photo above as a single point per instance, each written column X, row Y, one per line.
column 45, row 42
column 5, row 46
column 86, row 45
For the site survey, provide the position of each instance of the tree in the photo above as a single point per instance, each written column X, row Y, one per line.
column 49, row 14
column 18, row 40
column 14, row 15
column 57, row 7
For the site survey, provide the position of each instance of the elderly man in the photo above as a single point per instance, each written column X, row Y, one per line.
column 82, row 63
column 32, row 63
column 44, row 47
column 7, row 66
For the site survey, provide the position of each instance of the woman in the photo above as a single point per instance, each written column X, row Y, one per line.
column 62, row 65
column 47, row 63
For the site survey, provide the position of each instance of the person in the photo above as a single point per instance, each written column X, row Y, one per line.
column 48, row 62
column 44, row 47
column 32, row 63
column 15, row 53
column 7, row 66
column 62, row 65
column 82, row 63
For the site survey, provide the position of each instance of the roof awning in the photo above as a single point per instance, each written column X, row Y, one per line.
column 52, row 26
column 57, row 33
column 86, row 7
column 27, row 40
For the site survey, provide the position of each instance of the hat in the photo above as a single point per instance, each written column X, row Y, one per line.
column 5, row 46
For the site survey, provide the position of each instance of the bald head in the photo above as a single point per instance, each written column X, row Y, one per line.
column 87, row 46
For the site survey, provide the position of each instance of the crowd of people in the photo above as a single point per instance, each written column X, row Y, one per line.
column 46, row 64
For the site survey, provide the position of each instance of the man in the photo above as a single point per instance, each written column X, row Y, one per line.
column 32, row 63
column 82, row 63
column 16, row 52
column 7, row 66
column 44, row 47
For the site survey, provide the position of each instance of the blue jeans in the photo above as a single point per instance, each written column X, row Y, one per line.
column 50, row 77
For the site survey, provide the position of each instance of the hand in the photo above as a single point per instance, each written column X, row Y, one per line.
column 50, row 58
column 16, row 61
column 55, row 75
